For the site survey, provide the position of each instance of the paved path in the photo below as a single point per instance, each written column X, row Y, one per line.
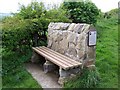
column 46, row 80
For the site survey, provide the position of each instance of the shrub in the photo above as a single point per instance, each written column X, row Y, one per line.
column 81, row 11
column 24, row 30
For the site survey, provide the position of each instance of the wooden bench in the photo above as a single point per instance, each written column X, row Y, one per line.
column 67, row 66
column 61, row 60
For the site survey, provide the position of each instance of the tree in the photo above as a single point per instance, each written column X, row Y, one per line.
column 81, row 11
column 33, row 10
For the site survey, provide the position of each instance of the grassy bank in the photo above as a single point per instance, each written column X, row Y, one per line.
column 107, row 52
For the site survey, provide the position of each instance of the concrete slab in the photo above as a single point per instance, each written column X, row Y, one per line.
column 46, row 80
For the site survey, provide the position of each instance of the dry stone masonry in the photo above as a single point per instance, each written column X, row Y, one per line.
column 71, row 39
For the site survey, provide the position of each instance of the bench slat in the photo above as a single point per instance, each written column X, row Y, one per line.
column 62, row 57
column 58, row 59
column 52, row 59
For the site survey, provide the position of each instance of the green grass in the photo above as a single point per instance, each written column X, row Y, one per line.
column 14, row 74
column 107, row 52
column 88, row 79
column 106, row 57
column 21, row 79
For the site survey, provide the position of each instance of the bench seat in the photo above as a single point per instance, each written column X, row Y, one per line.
column 57, row 58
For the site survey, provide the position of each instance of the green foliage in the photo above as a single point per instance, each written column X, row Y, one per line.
column 33, row 10
column 57, row 15
column 20, row 32
column 82, row 11
column 88, row 79
column 26, row 29
column 12, row 60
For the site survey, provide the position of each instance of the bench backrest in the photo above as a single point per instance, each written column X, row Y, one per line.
column 71, row 40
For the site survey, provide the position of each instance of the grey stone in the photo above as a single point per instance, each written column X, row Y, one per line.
column 61, row 81
column 50, row 31
column 65, row 26
column 72, row 51
column 59, row 36
column 72, row 37
column 49, row 43
column 62, row 51
column 86, row 28
column 80, row 53
column 71, row 27
column 55, row 46
column 49, row 66
column 57, row 26
column 78, row 28
column 71, row 45
column 64, row 44
column 55, row 36
column 63, row 73
column 50, row 25
column 65, row 34
column 91, row 52
column 78, row 46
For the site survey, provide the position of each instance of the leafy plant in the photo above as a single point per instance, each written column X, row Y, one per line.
column 81, row 11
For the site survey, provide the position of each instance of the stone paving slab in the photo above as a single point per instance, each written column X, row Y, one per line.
column 46, row 80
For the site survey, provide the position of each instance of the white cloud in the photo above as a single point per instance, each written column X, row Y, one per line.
column 106, row 5
column 7, row 6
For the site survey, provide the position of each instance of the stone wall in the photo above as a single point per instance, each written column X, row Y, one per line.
column 71, row 40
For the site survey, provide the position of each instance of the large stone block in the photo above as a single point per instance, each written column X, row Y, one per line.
column 49, row 43
column 55, row 46
column 71, row 45
column 65, row 26
column 86, row 28
column 55, row 36
column 64, row 44
column 65, row 34
column 80, row 53
column 71, row 27
column 49, row 66
column 78, row 28
column 59, row 36
column 72, row 37
column 62, row 51
column 72, row 52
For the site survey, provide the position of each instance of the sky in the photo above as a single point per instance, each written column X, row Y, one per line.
column 8, row 6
